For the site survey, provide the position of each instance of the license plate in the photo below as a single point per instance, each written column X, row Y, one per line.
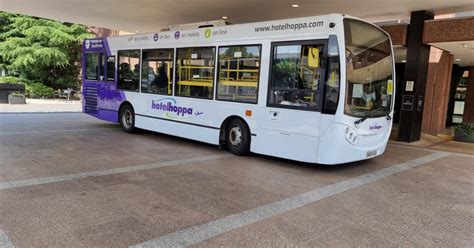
column 372, row 153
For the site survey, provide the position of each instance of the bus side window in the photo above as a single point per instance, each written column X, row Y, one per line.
column 129, row 70
column 157, row 68
column 195, row 72
column 238, row 76
column 92, row 66
column 297, row 75
column 111, row 68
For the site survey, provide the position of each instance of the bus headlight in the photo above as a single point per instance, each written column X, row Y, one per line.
column 351, row 135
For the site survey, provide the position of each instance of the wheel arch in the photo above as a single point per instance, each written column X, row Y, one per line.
column 124, row 103
column 223, row 129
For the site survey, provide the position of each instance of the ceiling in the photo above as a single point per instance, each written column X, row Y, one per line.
column 463, row 51
column 152, row 15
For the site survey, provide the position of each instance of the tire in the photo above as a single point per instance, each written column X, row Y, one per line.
column 238, row 137
column 127, row 119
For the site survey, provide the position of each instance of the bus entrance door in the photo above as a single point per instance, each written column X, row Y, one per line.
column 290, row 133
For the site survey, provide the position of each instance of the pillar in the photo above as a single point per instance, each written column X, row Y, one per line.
column 416, row 71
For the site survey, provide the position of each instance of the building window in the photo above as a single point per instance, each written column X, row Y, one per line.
column 129, row 70
column 111, row 68
column 238, row 73
column 92, row 66
column 195, row 72
column 297, row 75
column 157, row 67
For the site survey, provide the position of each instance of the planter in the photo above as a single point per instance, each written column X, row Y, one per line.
column 16, row 100
column 461, row 134
column 7, row 88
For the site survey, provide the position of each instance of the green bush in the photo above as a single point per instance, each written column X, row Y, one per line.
column 14, row 80
column 17, row 94
column 465, row 129
column 39, row 90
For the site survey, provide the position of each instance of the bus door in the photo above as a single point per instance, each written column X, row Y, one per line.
column 291, row 124
column 108, row 83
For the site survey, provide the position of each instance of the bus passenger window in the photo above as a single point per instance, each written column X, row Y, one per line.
column 157, row 67
column 297, row 74
column 238, row 73
column 92, row 66
column 195, row 72
column 128, row 70
column 111, row 68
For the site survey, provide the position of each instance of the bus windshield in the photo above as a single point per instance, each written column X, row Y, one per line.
column 369, row 87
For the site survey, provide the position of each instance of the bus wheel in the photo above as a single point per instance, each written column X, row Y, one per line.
column 127, row 119
column 238, row 137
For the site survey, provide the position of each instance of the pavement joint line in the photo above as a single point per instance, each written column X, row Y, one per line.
column 107, row 172
column 431, row 150
column 195, row 234
column 5, row 241
column 59, row 131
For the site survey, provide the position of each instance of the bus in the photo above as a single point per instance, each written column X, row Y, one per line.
column 316, row 89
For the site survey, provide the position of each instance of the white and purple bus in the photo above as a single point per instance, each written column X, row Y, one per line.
column 316, row 89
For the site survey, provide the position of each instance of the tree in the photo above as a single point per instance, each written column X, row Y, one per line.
column 41, row 50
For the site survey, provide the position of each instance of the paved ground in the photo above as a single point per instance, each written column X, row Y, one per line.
column 42, row 105
column 68, row 180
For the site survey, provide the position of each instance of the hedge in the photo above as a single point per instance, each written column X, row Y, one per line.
column 14, row 80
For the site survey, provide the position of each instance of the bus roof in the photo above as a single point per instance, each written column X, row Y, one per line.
column 297, row 27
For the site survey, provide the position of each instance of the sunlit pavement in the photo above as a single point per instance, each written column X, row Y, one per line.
column 42, row 106
column 69, row 180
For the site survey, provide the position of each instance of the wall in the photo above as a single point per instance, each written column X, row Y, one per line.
column 103, row 32
column 437, row 91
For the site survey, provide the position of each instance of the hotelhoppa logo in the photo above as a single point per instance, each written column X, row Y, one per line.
column 375, row 126
column 173, row 110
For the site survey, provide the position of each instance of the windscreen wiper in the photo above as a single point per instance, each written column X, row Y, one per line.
column 387, row 115
column 360, row 120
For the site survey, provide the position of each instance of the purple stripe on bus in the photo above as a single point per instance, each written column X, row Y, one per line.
column 107, row 115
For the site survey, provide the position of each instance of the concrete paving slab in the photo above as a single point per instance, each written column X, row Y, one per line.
column 411, row 208
column 128, row 207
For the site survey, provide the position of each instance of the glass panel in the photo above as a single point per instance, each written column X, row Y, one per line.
column 102, row 66
column 111, row 68
column 157, row 66
column 296, row 75
column 129, row 70
column 92, row 66
column 369, row 89
column 331, row 92
column 238, row 73
column 195, row 72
